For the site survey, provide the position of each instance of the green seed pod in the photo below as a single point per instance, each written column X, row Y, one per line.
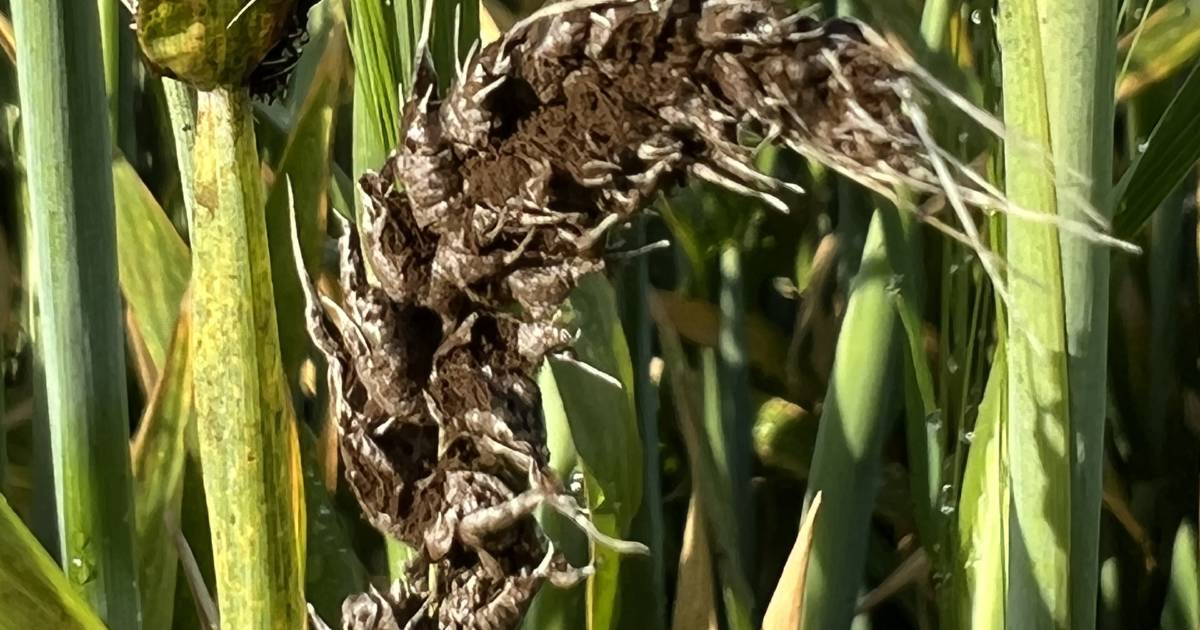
column 211, row 43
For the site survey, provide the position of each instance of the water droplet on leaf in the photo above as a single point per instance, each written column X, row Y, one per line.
column 946, row 500
column 81, row 571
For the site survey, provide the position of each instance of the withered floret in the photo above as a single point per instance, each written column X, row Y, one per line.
column 493, row 206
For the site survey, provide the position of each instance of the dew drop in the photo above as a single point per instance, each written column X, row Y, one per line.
column 946, row 500
column 895, row 283
column 939, row 579
column 968, row 437
column 576, row 484
column 81, row 571
column 934, row 419
column 977, row 17
column 1142, row 146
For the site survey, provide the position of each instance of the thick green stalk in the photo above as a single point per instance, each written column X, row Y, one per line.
column 648, row 526
column 737, row 598
column 735, row 429
column 1058, row 358
column 862, row 399
column 246, row 432
column 1038, row 424
column 1080, row 35
column 81, row 338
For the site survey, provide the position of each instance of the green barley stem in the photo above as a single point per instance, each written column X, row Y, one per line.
column 81, row 340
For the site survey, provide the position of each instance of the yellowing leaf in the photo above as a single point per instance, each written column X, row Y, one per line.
column 695, row 604
column 786, row 610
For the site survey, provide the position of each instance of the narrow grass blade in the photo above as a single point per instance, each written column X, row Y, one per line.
column 181, row 108
column 983, row 513
column 374, row 45
column 110, row 47
column 695, row 600
column 648, row 526
column 861, row 402
column 81, row 341
column 246, row 428
column 153, row 261
column 193, row 527
column 1037, row 428
column 159, row 456
column 925, row 424
column 1164, row 160
column 738, row 603
column 301, row 186
column 447, row 46
column 33, row 592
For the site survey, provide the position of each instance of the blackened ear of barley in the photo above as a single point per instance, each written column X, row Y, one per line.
column 497, row 201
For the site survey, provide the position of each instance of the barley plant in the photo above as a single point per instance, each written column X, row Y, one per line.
column 688, row 314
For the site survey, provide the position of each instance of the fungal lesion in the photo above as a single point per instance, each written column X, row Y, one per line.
column 498, row 200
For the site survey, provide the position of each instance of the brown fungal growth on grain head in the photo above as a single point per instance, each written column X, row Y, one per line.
column 497, row 201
